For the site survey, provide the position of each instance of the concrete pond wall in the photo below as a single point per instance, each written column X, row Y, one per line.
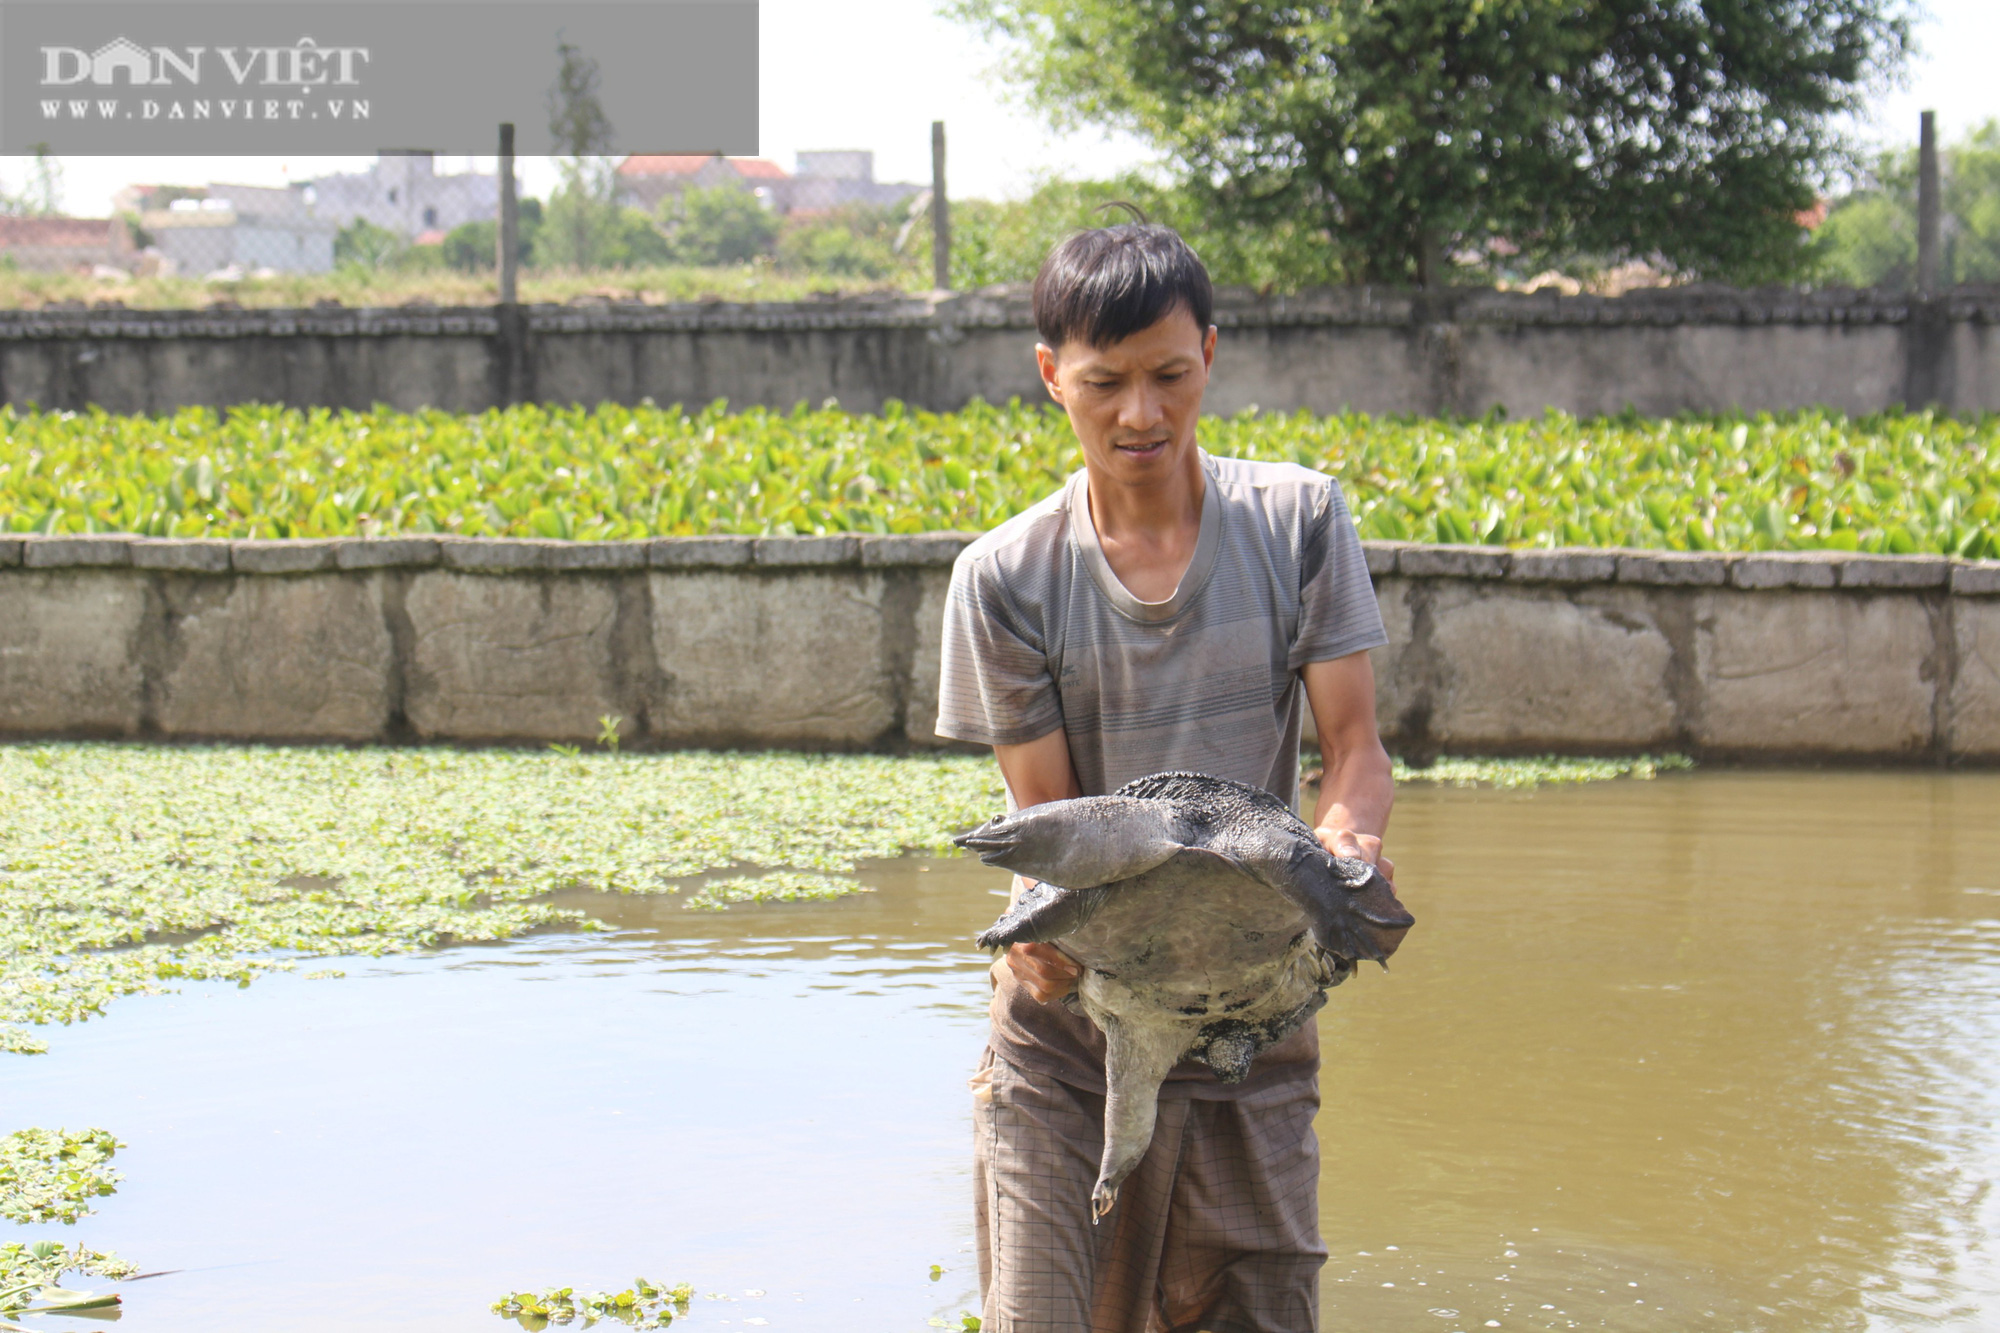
column 1661, row 352
column 832, row 643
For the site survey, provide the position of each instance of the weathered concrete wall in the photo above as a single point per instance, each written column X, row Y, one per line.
column 1686, row 349
column 832, row 642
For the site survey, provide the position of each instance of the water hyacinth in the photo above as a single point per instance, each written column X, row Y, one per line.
column 1893, row 482
column 51, row 1175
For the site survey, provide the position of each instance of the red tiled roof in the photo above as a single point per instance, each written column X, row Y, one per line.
column 84, row 233
column 686, row 164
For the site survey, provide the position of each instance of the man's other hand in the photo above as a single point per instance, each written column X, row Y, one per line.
column 1044, row 969
column 1346, row 842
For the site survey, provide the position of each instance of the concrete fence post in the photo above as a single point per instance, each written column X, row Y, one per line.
column 1930, row 222
column 940, row 214
column 510, row 342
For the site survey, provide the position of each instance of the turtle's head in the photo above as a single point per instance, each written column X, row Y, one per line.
column 1369, row 921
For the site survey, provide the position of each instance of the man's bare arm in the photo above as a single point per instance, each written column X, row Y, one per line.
column 1356, row 791
column 1037, row 772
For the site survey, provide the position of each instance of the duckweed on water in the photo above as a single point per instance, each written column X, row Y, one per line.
column 124, row 868
column 50, row 1175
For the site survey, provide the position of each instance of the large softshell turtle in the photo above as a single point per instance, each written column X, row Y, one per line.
column 1208, row 921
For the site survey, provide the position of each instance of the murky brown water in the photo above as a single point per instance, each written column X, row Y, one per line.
column 1714, row 1051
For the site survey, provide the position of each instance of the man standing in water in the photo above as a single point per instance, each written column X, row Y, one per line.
column 1164, row 610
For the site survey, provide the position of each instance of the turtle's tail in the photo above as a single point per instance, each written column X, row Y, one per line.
column 1135, row 1064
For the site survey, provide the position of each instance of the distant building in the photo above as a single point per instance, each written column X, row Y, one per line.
column 241, row 227
column 834, row 178
column 646, row 178
column 66, row 245
column 291, row 228
column 404, row 193
column 825, row 179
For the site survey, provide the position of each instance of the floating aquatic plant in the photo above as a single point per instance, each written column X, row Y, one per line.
column 642, row 1305
column 50, row 1175
column 1539, row 770
column 1894, row 482
column 124, row 868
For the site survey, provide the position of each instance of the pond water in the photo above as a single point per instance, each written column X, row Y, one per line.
column 1719, row 1050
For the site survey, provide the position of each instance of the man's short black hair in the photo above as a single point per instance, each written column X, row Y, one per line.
column 1107, row 283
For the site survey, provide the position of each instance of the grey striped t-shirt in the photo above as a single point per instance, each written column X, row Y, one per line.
column 1040, row 634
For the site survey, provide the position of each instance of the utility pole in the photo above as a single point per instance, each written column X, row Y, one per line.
column 510, row 218
column 1930, row 225
column 940, row 214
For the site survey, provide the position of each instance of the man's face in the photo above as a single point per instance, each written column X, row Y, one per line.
column 1133, row 404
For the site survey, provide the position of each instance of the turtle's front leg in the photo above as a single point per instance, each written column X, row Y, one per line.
column 1137, row 1057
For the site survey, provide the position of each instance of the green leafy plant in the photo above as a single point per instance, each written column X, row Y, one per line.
column 607, row 732
column 50, row 1175
column 31, row 1275
column 1894, row 482
column 642, row 1305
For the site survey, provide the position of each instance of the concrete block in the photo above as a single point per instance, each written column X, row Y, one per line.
column 1542, row 667
column 69, row 656
column 281, row 557
column 385, row 553
column 70, row 552
column 1895, row 571
column 306, row 658
column 1976, row 578
column 1674, row 569
column 1401, row 679
column 10, row 552
column 494, row 555
column 797, row 551
column 189, row 555
column 698, row 552
column 927, row 661
column 1973, row 708
column 1786, row 569
column 915, row 548
column 596, row 555
column 1563, row 565
column 497, row 658
column 1381, row 557
column 1452, row 562
column 792, row 661
column 1824, row 673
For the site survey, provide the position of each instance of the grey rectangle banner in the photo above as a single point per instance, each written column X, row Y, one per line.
column 357, row 76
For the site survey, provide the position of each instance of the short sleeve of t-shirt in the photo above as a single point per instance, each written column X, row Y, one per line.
column 1338, row 613
column 995, row 685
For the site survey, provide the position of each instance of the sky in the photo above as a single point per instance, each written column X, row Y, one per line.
column 830, row 78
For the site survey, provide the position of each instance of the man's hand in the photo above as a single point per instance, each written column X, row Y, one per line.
column 1044, row 969
column 1346, row 842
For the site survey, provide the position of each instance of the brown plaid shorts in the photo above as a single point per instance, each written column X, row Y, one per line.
column 1216, row 1232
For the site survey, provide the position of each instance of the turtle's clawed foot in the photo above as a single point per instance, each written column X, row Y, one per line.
column 1102, row 1199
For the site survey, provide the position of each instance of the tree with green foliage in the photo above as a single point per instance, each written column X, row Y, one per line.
column 1869, row 238
column 853, row 241
column 1399, row 132
column 362, row 244
column 717, row 224
column 584, row 208
column 41, row 194
column 472, row 247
